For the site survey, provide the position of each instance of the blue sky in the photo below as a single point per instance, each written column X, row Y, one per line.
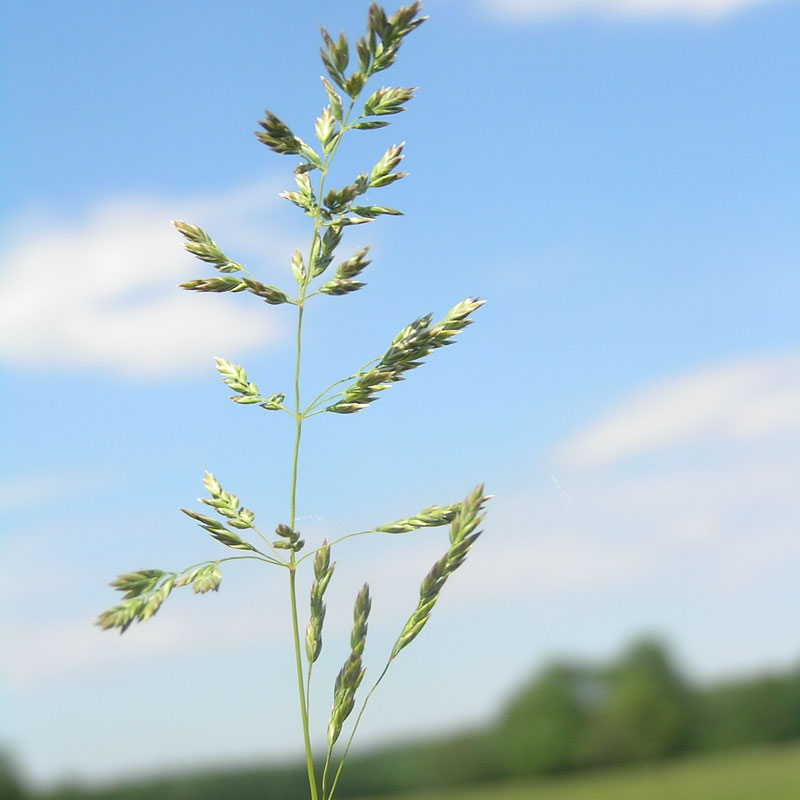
column 619, row 178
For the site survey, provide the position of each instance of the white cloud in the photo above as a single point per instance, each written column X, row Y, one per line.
column 698, row 539
column 548, row 9
column 744, row 401
column 101, row 292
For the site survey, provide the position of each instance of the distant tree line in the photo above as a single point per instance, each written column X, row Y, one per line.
column 640, row 708
column 570, row 717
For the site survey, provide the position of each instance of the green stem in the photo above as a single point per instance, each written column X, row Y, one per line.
column 299, row 416
column 321, row 396
column 277, row 560
column 355, row 728
column 299, row 421
column 336, row 541
column 239, row 558
column 268, row 559
column 312, row 780
column 308, row 689
column 325, row 770
column 364, row 533
column 265, row 559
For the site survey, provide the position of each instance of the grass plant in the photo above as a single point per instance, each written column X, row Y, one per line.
column 350, row 110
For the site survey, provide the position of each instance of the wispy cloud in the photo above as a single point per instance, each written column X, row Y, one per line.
column 739, row 402
column 705, row 518
column 733, row 518
column 711, row 519
column 550, row 9
column 718, row 492
column 101, row 292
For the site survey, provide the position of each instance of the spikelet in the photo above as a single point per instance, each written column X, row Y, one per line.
column 352, row 673
column 406, row 352
column 462, row 537
column 323, row 571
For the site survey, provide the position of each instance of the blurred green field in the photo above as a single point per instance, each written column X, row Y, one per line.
column 769, row 774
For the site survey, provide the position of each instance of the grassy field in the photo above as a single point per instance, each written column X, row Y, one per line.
column 769, row 774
